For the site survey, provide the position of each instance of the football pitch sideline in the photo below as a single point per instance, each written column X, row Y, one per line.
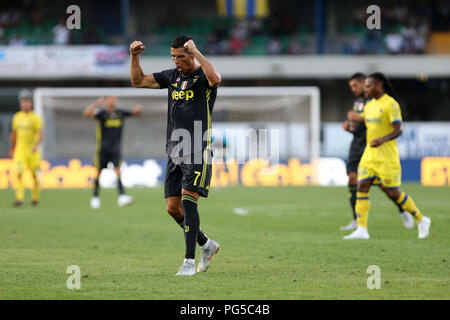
column 275, row 243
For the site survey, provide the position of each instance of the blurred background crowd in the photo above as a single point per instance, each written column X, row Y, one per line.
column 288, row 28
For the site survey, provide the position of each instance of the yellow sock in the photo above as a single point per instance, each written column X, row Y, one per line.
column 35, row 191
column 362, row 208
column 407, row 204
column 20, row 191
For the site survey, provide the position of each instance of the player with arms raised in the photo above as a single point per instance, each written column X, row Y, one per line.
column 110, row 122
column 381, row 161
column 192, row 89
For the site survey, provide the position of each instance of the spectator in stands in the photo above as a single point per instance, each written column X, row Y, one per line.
column 372, row 42
column 394, row 43
column 411, row 24
column 353, row 46
column 237, row 45
column 274, row 46
column 216, row 42
column 294, row 45
column 240, row 29
column 238, row 36
column 17, row 40
column 419, row 45
column 61, row 35
column 11, row 17
column 409, row 34
column 255, row 26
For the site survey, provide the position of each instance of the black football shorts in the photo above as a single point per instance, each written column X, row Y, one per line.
column 102, row 159
column 194, row 177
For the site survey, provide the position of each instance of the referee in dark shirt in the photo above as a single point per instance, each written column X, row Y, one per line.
column 358, row 129
column 192, row 89
column 110, row 121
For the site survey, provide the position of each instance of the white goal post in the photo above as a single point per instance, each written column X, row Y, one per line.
column 294, row 111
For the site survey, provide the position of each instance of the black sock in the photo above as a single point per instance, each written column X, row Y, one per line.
column 96, row 187
column 400, row 209
column 120, row 186
column 352, row 193
column 191, row 224
column 201, row 238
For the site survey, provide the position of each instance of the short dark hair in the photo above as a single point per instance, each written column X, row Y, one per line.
column 180, row 41
column 358, row 76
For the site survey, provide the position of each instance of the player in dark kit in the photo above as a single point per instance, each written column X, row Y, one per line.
column 192, row 89
column 358, row 144
column 108, row 136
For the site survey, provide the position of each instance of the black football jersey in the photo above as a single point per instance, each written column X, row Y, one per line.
column 109, row 129
column 358, row 129
column 190, row 105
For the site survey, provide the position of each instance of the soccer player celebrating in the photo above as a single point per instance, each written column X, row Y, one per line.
column 110, row 122
column 358, row 144
column 380, row 160
column 192, row 89
column 25, row 137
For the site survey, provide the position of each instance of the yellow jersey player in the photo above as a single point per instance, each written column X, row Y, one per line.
column 357, row 147
column 26, row 135
column 380, row 161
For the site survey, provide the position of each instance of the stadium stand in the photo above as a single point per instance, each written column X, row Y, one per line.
column 410, row 29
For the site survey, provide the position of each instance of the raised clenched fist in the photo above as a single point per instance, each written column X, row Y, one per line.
column 190, row 46
column 136, row 47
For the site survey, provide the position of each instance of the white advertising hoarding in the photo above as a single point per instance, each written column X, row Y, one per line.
column 42, row 62
column 419, row 139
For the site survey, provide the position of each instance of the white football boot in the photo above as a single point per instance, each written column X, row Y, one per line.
column 95, row 203
column 187, row 269
column 208, row 250
column 124, row 200
column 359, row 233
column 424, row 227
column 351, row 226
column 408, row 220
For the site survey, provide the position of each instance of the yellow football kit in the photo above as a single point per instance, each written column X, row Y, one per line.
column 383, row 162
column 27, row 126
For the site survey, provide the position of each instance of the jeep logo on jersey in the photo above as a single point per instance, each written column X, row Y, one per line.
column 113, row 123
column 182, row 95
column 184, row 85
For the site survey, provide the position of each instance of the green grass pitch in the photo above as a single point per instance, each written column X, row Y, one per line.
column 287, row 246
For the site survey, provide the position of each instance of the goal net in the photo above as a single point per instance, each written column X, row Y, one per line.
column 274, row 122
